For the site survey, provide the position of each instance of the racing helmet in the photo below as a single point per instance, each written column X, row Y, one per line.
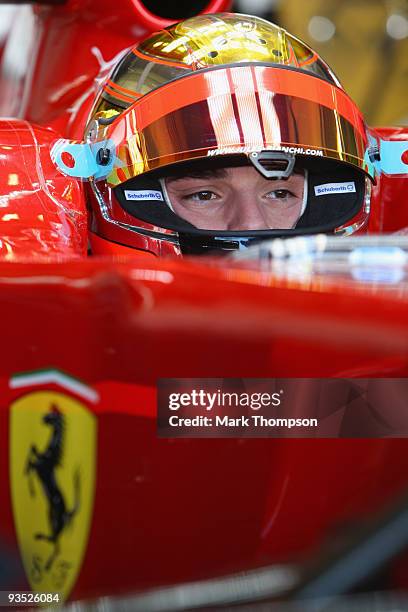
column 206, row 97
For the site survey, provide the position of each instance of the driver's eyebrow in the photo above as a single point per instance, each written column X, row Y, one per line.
column 205, row 174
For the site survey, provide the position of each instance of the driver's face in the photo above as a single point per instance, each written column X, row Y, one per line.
column 238, row 198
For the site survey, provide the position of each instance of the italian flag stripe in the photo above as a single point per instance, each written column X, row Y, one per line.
column 44, row 377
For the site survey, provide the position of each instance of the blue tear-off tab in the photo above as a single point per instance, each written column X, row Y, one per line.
column 391, row 152
column 84, row 156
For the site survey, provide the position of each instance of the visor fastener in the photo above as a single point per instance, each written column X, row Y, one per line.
column 273, row 164
column 103, row 157
column 374, row 153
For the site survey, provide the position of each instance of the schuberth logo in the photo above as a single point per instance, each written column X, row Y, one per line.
column 330, row 188
column 52, row 475
column 143, row 194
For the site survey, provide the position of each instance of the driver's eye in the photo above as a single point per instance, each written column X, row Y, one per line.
column 281, row 193
column 202, row 196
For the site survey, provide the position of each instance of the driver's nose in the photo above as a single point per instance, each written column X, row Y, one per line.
column 246, row 214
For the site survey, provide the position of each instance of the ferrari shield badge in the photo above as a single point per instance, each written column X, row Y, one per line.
column 52, row 476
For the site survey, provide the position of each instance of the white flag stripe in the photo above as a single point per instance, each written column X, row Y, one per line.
column 54, row 376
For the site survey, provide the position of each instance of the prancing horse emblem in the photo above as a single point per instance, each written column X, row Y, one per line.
column 44, row 465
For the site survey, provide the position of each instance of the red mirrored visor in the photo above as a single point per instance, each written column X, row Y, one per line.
column 236, row 110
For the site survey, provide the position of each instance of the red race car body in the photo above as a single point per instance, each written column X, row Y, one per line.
column 85, row 340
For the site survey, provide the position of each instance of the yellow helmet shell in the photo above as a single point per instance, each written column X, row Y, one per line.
column 202, row 42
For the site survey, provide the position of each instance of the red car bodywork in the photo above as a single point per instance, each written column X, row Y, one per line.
column 174, row 510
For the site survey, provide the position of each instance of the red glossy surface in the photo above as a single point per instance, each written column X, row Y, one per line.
column 184, row 509
column 60, row 50
column 389, row 201
column 42, row 213
column 175, row 510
